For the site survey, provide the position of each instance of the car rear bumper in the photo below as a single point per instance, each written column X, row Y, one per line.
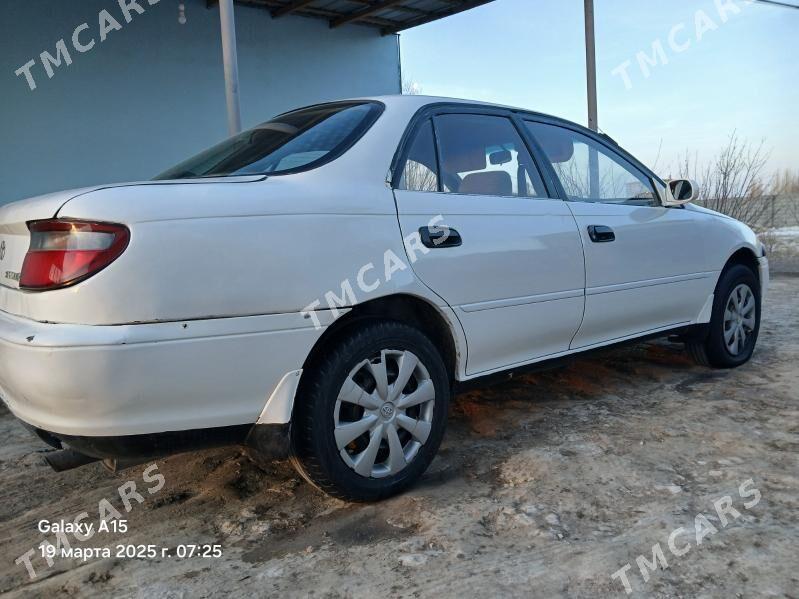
column 139, row 379
column 268, row 441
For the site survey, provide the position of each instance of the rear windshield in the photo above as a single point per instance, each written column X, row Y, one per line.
column 292, row 142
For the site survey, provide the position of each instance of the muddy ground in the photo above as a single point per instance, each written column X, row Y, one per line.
column 544, row 486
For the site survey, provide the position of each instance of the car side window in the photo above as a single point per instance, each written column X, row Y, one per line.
column 420, row 172
column 485, row 155
column 589, row 171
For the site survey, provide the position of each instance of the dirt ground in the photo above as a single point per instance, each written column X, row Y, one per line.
column 544, row 486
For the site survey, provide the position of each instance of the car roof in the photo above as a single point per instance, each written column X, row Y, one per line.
column 420, row 101
column 417, row 102
column 423, row 100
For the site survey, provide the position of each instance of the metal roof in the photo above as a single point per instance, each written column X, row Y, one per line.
column 390, row 16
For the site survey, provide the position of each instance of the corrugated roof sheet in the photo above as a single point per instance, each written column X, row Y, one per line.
column 390, row 16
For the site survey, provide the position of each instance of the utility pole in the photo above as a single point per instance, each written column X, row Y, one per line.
column 590, row 65
column 231, row 65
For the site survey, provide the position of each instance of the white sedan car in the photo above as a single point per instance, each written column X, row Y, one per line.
column 315, row 287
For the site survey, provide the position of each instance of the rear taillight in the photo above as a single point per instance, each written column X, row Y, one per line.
column 65, row 252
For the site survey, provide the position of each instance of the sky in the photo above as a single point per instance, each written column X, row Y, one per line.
column 719, row 72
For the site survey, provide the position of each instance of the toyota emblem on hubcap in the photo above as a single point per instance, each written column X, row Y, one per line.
column 387, row 410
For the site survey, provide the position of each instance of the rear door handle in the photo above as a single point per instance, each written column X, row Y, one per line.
column 440, row 237
column 601, row 233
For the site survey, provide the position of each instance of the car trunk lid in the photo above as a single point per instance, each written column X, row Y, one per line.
column 15, row 236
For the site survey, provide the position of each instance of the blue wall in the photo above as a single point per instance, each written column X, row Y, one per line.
column 152, row 93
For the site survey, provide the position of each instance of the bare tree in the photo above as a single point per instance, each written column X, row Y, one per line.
column 418, row 177
column 411, row 87
column 733, row 182
column 655, row 166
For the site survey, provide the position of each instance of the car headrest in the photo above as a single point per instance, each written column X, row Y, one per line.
column 491, row 183
column 464, row 157
column 557, row 144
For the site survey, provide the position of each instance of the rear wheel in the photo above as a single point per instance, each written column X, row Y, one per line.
column 735, row 322
column 371, row 413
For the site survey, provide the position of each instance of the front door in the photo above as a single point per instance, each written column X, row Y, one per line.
column 644, row 263
column 509, row 260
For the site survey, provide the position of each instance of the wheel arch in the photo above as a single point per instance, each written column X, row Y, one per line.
column 406, row 308
column 744, row 256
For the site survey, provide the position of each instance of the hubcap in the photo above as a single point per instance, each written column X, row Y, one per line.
column 739, row 319
column 387, row 411
column 384, row 413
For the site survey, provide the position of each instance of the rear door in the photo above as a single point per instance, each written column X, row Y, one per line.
column 645, row 265
column 510, row 260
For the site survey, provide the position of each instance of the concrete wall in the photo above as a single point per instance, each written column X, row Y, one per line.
column 152, row 93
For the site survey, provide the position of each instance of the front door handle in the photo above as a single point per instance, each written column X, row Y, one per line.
column 440, row 237
column 601, row 233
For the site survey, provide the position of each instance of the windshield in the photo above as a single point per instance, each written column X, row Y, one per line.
column 292, row 142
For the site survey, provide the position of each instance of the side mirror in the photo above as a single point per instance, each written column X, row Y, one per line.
column 681, row 191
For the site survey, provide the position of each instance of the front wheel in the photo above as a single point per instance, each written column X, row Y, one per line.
column 372, row 412
column 735, row 321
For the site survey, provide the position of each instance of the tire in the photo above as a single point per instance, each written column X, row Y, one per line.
column 720, row 346
column 327, row 448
